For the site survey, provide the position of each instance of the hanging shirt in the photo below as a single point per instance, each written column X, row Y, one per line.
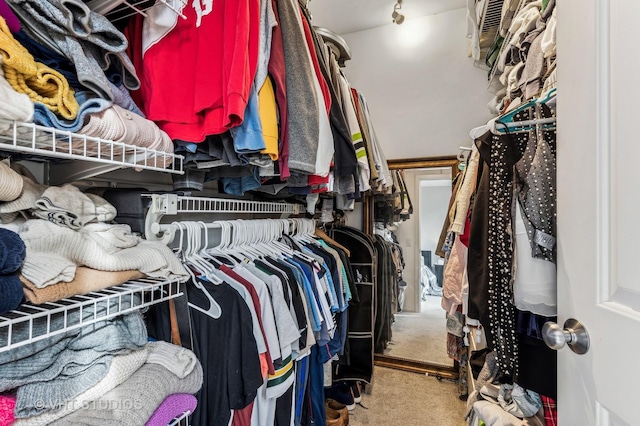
column 267, row 24
column 302, row 92
column 232, row 375
column 248, row 137
column 356, row 134
column 297, row 307
column 277, row 72
column 258, row 307
column 197, row 78
column 312, row 305
column 269, row 119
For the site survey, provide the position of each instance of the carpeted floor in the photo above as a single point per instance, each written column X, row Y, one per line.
column 421, row 336
column 398, row 398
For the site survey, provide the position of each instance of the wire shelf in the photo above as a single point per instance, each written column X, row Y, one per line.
column 177, row 420
column 173, row 204
column 48, row 142
column 221, row 205
column 31, row 323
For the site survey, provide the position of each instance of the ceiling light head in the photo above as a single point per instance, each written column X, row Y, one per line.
column 396, row 16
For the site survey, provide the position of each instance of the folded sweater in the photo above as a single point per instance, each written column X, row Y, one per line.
column 122, row 367
column 38, row 81
column 85, row 281
column 54, row 252
column 134, row 401
column 52, row 371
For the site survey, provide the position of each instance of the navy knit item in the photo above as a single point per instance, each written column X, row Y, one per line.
column 12, row 252
column 10, row 293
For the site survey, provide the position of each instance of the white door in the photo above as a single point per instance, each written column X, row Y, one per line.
column 599, row 209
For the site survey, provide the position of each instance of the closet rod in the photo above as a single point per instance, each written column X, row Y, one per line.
column 517, row 124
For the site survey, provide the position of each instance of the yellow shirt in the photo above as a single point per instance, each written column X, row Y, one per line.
column 269, row 118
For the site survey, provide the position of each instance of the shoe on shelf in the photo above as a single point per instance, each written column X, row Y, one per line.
column 332, row 404
column 333, row 417
column 355, row 391
column 341, row 392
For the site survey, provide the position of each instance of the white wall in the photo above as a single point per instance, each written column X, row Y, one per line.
column 434, row 200
column 423, row 91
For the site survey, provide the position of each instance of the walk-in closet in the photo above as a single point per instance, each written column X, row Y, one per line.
column 318, row 212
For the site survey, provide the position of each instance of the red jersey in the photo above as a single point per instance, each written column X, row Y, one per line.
column 197, row 78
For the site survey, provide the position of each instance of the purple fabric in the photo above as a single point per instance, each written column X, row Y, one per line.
column 9, row 17
column 172, row 407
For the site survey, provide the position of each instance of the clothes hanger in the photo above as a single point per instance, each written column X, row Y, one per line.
column 236, row 237
column 194, row 239
column 277, row 230
column 216, row 263
column 221, row 250
column 505, row 123
column 266, row 236
column 207, row 269
column 327, row 239
column 249, row 235
column 214, row 310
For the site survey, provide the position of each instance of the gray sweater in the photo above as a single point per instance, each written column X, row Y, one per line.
column 53, row 371
column 302, row 102
column 133, row 402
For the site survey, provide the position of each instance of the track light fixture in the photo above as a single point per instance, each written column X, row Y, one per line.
column 396, row 16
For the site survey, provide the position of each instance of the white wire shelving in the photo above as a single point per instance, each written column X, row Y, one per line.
column 495, row 85
column 46, row 142
column 173, row 204
column 488, row 28
column 31, row 323
column 177, row 420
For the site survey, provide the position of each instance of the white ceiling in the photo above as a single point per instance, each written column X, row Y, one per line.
column 348, row 16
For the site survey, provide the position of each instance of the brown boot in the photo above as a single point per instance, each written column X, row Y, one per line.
column 339, row 408
column 333, row 417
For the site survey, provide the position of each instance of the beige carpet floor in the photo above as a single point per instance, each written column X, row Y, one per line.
column 421, row 336
column 399, row 398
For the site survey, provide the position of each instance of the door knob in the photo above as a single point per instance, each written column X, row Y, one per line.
column 574, row 334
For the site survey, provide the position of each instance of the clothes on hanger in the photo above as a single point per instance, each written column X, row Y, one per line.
column 125, row 89
column 503, row 274
column 293, row 299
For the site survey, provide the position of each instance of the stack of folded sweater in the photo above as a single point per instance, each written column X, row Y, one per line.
column 151, row 385
column 12, row 253
column 12, row 249
column 106, row 373
column 47, row 373
column 71, row 250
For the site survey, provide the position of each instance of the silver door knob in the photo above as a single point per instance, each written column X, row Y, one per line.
column 574, row 334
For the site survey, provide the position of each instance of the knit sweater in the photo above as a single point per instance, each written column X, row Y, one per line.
column 41, row 83
column 86, row 280
column 122, row 367
column 87, row 105
column 86, row 38
column 54, row 252
column 16, row 106
column 51, row 372
column 302, row 98
column 134, row 401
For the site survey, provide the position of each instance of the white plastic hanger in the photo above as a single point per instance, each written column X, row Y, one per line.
column 221, row 250
column 205, row 247
column 214, row 310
